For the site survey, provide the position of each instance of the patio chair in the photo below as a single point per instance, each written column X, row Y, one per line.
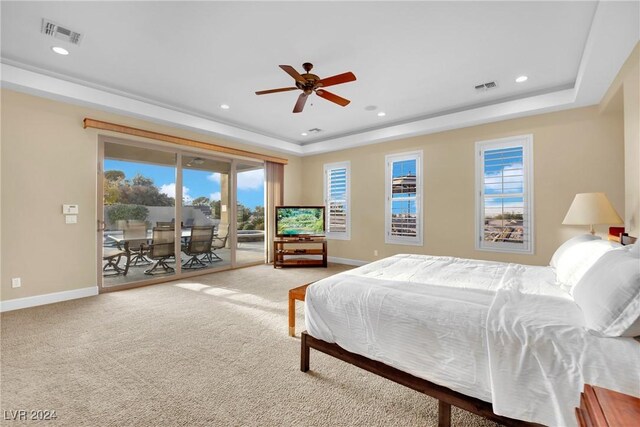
column 218, row 242
column 113, row 257
column 161, row 249
column 198, row 244
column 135, row 234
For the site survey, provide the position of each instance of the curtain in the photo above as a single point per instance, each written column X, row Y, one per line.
column 274, row 176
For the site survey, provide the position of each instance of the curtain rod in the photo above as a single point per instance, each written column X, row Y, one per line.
column 184, row 142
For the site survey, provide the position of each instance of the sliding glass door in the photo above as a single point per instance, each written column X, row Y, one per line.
column 138, row 191
column 250, row 213
column 166, row 213
column 205, row 213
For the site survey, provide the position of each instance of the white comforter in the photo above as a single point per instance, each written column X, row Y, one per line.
column 503, row 333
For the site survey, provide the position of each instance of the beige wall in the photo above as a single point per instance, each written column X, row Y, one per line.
column 575, row 151
column 623, row 98
column 631, row 95
column 48, row 159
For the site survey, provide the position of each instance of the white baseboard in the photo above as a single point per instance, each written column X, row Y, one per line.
column 347, row 261
column 18, row 303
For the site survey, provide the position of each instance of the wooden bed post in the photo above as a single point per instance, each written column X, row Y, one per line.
column 444, row 414
column 304, row 353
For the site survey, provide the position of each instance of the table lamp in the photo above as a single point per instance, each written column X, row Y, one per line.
column 590, row 209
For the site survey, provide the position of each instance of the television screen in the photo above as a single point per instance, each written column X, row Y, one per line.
column 293, row 221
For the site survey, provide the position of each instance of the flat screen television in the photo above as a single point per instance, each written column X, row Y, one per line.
column 299, row 221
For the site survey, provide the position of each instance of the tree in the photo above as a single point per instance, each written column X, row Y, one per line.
column 140, row 191
column 244, row 213
column 111, row 184
column 201, row 201
column 114, row 176
column 215, row 208
column 257, row 218
column 142, row 180
column 127, row 212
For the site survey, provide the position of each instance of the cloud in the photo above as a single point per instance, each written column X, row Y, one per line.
column 215, row 196
column 170, row 190
column 251, row 180
column 513, row 180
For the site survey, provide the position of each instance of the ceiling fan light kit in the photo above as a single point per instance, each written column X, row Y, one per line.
column 309, row 83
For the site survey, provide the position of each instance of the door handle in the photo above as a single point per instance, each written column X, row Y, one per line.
column 101, row 225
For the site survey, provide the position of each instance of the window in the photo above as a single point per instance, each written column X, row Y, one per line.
column 403, row 199
column 337, row 200
column 504, row 183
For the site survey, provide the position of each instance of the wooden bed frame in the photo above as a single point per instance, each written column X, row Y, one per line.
column 446, row 397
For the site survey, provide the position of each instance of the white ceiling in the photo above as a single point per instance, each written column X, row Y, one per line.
column 176, row 62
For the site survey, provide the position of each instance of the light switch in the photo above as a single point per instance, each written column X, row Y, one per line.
column 71, row 219
column 223, row 208
column 70, row 209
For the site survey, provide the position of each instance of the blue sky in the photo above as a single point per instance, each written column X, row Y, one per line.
column 195, row 183
column 503, row 174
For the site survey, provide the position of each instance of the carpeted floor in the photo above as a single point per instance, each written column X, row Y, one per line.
column 211, row 351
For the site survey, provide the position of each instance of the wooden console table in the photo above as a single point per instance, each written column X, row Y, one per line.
column 290, row 253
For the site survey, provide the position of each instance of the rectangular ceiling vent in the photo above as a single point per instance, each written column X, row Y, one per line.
column 52, row 29
column 486, row 86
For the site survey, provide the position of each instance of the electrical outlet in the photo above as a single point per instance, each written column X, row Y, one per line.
column 375, row 252
column 16, row 282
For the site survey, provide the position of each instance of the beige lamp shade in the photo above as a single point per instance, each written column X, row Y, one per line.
column 590, row 209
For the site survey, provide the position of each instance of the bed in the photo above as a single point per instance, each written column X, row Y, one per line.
column 506, row 341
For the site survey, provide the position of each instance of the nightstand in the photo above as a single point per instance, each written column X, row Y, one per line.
column 600, row 407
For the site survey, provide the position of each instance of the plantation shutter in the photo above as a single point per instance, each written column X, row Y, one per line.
column 403, row 194
column 337, row 200
column 505, row 203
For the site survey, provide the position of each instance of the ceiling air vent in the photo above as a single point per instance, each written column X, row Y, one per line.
column 486, row 86
column 315, row 130
column 52, row 29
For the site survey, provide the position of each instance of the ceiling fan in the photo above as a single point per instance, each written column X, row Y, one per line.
column 309, row 83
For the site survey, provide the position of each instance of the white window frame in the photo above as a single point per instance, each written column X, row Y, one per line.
column 526, row 142
column 390, row 159
column 327, row 169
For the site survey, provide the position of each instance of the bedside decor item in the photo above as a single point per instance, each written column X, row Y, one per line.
column 591, row 209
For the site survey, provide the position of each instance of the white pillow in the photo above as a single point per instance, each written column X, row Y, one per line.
column 569, row 243
column 577, row 259
column 609, row 294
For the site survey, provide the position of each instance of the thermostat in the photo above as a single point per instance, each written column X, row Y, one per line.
column 70, row 209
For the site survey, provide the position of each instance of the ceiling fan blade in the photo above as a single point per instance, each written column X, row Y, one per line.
column 293, row 73
column 302, row 99
column 336, row 80
column 332, row 97
column 283, row 89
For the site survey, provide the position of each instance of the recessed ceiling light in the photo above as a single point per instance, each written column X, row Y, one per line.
column 521, row 79
column 382, row 114
column 60, row 50
column 304, row 134
column 224, row 106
